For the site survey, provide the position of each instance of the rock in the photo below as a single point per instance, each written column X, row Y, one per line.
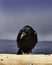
column 36, row 59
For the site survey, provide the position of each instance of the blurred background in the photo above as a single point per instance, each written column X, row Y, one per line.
column 14, row 14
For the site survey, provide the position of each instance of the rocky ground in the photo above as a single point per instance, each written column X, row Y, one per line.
column 12, row 59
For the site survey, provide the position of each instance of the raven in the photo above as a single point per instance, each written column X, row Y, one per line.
column 26, row 39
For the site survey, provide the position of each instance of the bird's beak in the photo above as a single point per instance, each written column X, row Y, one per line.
column 23, row 34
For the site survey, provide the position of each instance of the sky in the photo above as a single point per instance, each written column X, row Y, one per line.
column 15, row 14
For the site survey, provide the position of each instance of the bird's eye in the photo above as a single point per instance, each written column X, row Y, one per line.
column 27, row 29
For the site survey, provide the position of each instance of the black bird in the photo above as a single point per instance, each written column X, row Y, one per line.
column 26, row 39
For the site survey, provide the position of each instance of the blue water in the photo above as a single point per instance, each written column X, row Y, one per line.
column 43, row 47
column 10, row 47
